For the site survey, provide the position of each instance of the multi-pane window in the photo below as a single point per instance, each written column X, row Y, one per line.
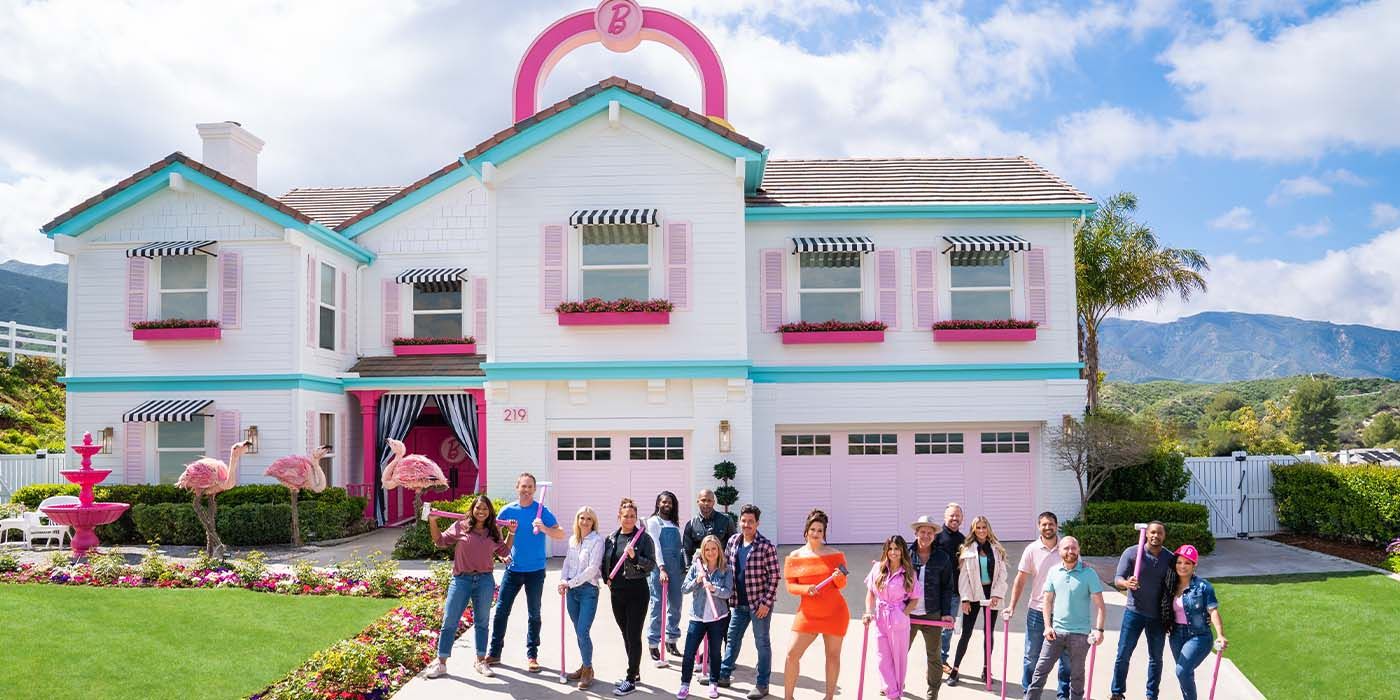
column 437, row 311
column 652, row 448
column 327, row 433
column 872, row 443
column 177, row 443
column 805, row 445
column 615, row 261
column 327, row 310
column 583, row 449
column 980, row 285
column 1000, row 443
column 829, row 286
column 184, row 287
column 938, row 443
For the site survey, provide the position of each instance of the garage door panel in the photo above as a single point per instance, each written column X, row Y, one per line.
column 578, row 484
column 804, row 484
column 1006, row 496
column 938, row 482
column 871, row 484
column 647, row 479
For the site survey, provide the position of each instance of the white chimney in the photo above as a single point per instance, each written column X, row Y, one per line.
column 231, row 150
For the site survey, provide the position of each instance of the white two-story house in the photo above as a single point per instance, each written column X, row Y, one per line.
column 613, row 193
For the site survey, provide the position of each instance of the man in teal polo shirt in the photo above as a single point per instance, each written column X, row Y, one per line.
column 1069, row 590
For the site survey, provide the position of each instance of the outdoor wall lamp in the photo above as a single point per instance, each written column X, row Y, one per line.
column 725, row 437
column 251, row 435
column 107, row 440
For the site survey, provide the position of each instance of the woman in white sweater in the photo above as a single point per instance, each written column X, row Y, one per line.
column 981, row 581
column 578, row 582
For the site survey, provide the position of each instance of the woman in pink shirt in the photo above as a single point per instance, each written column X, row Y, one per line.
column 476, row 542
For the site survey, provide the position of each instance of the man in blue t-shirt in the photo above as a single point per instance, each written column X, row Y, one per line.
column 524, row 568
column 1072, row 591
column 1142, row 613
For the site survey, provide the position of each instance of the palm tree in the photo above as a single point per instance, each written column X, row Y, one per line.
column 1119, row 265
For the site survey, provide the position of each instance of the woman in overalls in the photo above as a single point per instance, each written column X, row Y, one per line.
column 664, row 528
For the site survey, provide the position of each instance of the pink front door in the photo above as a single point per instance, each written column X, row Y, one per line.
column 437, row 443
column 597, row 470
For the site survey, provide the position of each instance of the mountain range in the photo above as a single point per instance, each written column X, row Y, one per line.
column 36, row 295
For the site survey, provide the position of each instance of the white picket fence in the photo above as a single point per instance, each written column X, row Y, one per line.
column 17, row 339
column 22, row 470
column 1238, row 490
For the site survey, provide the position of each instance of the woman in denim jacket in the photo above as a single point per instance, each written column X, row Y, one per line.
column 1188, row 601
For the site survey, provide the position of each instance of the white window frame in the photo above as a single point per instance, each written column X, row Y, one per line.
column 161, row 291
column 321, row 304
column 796, row 446
column 666, row 448
column 203, row 449
column 325, row 426
column 794, row 301
column 461, row 310
column 945, row 272
column 654, row 265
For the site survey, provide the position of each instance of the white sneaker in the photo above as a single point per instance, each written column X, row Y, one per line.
column 438, row 669
column 485, row 670
column 683, row 693
column 714, row 690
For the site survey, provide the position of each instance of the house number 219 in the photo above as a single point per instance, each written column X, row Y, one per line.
column 517, row 415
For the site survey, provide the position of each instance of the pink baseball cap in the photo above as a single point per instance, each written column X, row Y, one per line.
column 1188, row 552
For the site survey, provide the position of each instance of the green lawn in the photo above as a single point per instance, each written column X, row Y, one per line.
column 85, row 642
column 1314, row 635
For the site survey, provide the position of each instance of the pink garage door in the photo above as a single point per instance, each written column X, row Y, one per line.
column 873, row 483
column 598, row 470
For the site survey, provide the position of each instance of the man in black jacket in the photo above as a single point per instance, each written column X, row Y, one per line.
column 936, row 572
column 707, row 522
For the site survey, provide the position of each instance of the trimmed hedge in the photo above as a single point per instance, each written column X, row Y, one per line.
column 249, row 524
column 415, row 544
column 1163, row 477
column 1097, row 540
column 1133, row 512
column 1359, row 504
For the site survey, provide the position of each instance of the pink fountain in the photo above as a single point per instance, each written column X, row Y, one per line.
column 85, row 515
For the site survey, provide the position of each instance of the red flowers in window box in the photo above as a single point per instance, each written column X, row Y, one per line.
column 176, row 329
column 435, row 346
column 618, row 312
column 806, row 332
column 978, row 331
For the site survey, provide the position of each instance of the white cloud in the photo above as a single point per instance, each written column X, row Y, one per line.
column 1352, row 285
column 1302, row 186
column 1237, row 219
column 1383, row 215
column 1318, row 229
column 1342, row 176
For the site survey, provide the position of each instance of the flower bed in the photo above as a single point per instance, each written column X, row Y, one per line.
column 1008, row 330
column 435, row 346
column 618, row 312
column 176, row 329
column 805, row 332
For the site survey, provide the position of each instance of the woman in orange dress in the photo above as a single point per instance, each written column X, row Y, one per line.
column 820, row 612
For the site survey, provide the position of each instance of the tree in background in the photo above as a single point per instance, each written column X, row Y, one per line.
column 1245, row 429
column 1120, row 265
column 1222, row 405
column 1382, row 429
column 1314, row 411
column 1096, row 447
column 1162, row 477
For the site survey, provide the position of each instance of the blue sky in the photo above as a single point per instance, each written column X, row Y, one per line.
column 1259, row 132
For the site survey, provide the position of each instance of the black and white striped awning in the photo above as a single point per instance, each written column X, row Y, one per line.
column 156, row 250
column 833, row 244
column 158, row 410
column 434, row 279
column 985, row 244
column 597, row 217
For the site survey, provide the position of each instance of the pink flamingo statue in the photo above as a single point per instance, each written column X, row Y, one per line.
column 206, row 478
column 298, row 472
column 414, row 472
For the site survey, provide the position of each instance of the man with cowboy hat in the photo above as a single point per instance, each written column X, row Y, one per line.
column 936, row 572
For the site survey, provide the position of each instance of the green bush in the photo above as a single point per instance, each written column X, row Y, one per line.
column 1132, row 512
column 414, row 543
column 1359, row 504
column 32, row 494
column 1163, row 477
column 248, row 524
column 1097, row 540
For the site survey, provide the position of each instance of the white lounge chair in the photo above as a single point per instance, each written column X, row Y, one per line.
column 41, row 528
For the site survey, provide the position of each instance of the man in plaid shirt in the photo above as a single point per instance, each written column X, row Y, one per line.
column 756, row 574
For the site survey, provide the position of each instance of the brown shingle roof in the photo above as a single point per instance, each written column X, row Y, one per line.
column 853, row 181
column 176, row 157
column 420, row 366
column 332, row 205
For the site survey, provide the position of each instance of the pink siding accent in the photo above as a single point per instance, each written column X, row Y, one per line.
column 678, row 283
column 925, row 263
column 230, row 288
column 228, row 431
column 480, row 299
column 342, row 448
column 134, row 453
column 806, row 485
column 553, row 258
column 1037, row 287
column 887, row 287
column 313, row 439
column 138, row 273
column 390, row 326
column 343, row 316
column 311, row 288
column 772, row 301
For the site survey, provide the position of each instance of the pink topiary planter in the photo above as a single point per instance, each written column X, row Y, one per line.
column 176, row 333
column 815, row 337
column 983, row 335
column 444, row 349
column 615, row 318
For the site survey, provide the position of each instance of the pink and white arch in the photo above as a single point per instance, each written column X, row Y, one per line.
column 619, row 25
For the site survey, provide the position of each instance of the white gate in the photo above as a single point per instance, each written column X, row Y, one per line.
column 23, row 470
column 1238, row 490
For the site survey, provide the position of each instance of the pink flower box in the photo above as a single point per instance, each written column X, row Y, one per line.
column 441, row 349
column 814, row 337
column 983, row 335
column 176, row 333
column 615, row 318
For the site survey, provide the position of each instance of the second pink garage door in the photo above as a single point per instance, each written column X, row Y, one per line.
column 874, row 482
column 599, row 469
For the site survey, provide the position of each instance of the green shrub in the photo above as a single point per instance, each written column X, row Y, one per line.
column 169, row 523
column 1097, row 540
column 1132, row 512
column 1163, row 477
column 248, row 524
column 8, row 561
column 415, row 544
column 32, row 494
column 1359, row 504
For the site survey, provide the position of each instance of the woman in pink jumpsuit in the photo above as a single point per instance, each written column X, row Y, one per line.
column 892, row 593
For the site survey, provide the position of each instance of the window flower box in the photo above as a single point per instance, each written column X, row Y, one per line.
column 805, row 333
column 176, row 329
column 435, row 346
column 1009, row 331
column 620, row 312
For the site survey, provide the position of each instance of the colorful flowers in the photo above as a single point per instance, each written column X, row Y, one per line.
column 176, row 323
column 469, row 340
column 595, row 305
column 969, row 325
column 830, row 326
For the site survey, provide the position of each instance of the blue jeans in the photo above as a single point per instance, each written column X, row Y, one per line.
column 673, row 605
column 739, row 620
column 582, row 602
column 948, row 631
column 709, row 632
column 1134, row 624
column 1189, row 650
column 511, row 583
column 477, row 588
column 1035, row 639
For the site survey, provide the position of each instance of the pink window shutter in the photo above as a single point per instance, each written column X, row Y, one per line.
column 553, row 258
column 311, row 325
column 343, row 314
column 138, row 273
column 228, row 428
column 678, row 281
column 479, row 301
column 230, row 288
column 887, row 287
column 390, row 295
column 312, row 439
column 134, row 453
column 1037, row 287
column 342, row 448
column 925, row 261
column 770, row 284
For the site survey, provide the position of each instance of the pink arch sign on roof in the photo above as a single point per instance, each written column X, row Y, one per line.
column 619, row 25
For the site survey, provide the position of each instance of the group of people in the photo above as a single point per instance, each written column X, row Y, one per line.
column 917, row 588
